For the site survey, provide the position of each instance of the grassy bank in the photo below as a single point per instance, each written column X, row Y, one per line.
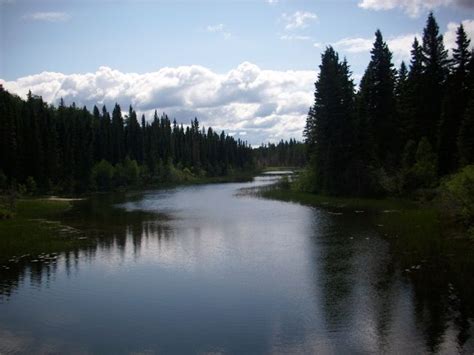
column 311, row 199
column 404, row 220
column 35, row 229
column 33, row 226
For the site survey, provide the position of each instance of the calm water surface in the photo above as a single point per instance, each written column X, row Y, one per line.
column 209, row 269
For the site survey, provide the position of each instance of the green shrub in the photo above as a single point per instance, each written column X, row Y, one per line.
column 284, row 183
column 31, row 185
column 22, row 190
column 102, row 175
column 3, row 181
column 5, row 213
column 426, row 164
column 306, row 181
column 419, row 167
column 459, row 191
column 130, row 171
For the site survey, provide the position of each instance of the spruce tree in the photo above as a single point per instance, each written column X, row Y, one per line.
column 413, row 128
column 378, row 99
column 435, row 70
column 454, row 104
column 403, row 107
column 118, row 146
column 332, row 128
column 465, row 141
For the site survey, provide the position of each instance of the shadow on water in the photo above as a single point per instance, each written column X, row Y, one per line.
column 210, row 268
column 393, row 293
column 100, row 223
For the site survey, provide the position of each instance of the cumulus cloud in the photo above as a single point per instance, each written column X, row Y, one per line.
column 412, row 7
column 262, row 105
column 450, row 35
column 401, row 45
column 298, row 20
column 354, row 45
column 48, row 16
column 220, row 28
column 294, row 38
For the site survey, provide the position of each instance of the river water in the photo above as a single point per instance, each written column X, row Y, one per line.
column 212, row 269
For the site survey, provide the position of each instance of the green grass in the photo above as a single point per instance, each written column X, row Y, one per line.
column 338, row 202
column 41, row 208
column 412, row 227
column 34, row 229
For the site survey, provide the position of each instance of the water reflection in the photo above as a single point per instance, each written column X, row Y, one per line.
column 207, row 269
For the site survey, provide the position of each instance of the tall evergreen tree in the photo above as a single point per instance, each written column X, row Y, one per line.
column 118, row 146
column 332, row 125
column 465, row 139
column 414, row 128
column 435, row 70
column 454, row 104
column 403, row 107
column 377, row 95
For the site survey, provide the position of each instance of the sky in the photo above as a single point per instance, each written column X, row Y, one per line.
column 247, row 67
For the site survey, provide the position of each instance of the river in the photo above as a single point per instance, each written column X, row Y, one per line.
column 212, row 269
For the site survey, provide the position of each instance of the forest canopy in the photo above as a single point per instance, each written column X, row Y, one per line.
column 69, row 149
column 403, row 129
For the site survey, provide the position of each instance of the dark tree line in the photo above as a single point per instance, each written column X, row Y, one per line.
column 286, row 153
column 70, row 149
column 402, row 129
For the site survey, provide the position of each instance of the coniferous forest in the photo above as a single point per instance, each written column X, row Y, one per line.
column 403, row 129
column 160, row 235
column 284, row 154
column 69, row 149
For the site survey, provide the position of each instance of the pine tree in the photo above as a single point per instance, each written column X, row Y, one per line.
column 332, row 128
column 435, row 70
column 403, row 107
column 454, row 104
column 118, row 146
column 413, row 128
column 378, row 98
column 465, row 139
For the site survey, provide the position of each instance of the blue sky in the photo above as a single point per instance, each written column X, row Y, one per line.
column 257, row 58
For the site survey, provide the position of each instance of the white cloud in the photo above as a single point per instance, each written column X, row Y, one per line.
column 299, row 19
column 412, row 7
column 317, row 45
column 354, row 45
column 399, row 45
column 271, row 2
column 219, row 28
column 450, row 35
column 266, row 104
column 294, row 38
column 48, row 16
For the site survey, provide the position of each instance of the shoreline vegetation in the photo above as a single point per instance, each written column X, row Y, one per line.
column 404, row 132
column 32, row 226
column 447, row 214
column 384, row 147
column 34, row 229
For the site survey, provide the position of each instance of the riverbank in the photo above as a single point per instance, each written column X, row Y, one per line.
column 32, row 227
column 359, row 204
column 396, row 219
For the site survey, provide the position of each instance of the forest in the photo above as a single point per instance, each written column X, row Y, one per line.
column 284, row 154
column 403, row 130
column 68, row 149
column 398, row 132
